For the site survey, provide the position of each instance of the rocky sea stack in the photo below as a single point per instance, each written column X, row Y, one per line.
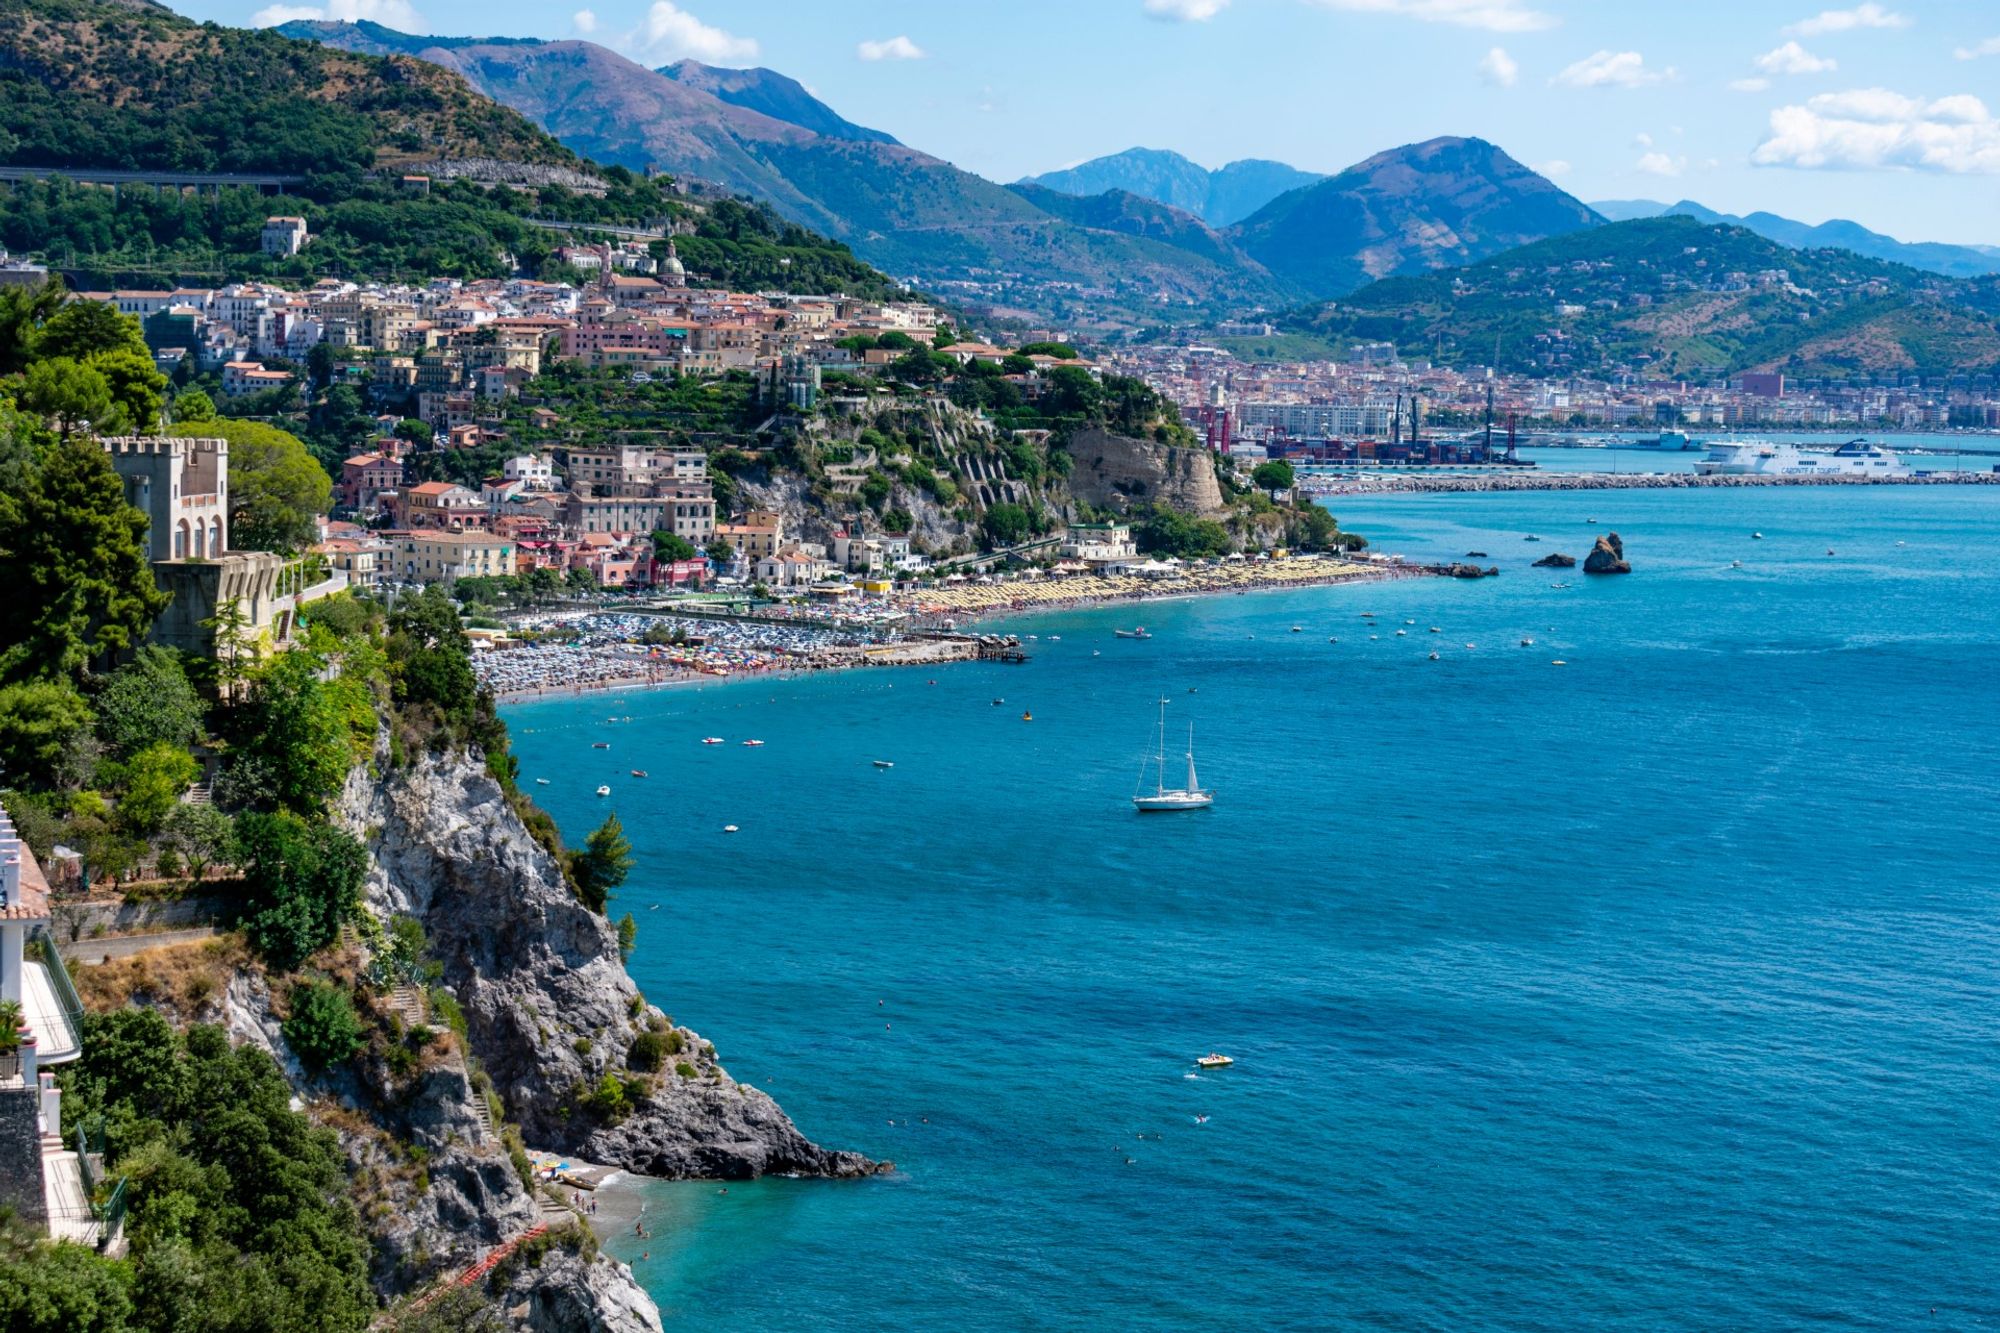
column 548, row 1006
column 1607, row 557
column 1556, row 560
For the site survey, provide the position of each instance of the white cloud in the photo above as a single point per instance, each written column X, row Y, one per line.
column 1186, row 11
column 894, row 48
column 1551, row 169
column 1643, row 139
column 1989, row 47
column 1877, row 129
column 1612, row 69
column 1791, row 58
column 1749, row 85
column 1847, row 20
column 1490, row 15
column 1500, row 68
column 584, row 21
column 1660, row 164
column 670, row 33
column 398, row 14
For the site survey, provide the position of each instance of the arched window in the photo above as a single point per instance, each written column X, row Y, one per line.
column 215, row 543
column 200, row 541
column 181, row 540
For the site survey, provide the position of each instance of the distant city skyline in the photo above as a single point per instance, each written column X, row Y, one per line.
column 1868, row 111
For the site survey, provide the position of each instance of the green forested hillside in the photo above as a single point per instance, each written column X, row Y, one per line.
column 87, row 84
column 92, row 84
column 1673, row 297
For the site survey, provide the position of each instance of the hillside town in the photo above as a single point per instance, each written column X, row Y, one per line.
column 1239, row 402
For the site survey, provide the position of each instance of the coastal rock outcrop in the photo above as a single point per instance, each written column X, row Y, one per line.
column 548, row 1006
column 1556, row 560
column 1115, row 472
column 437, row 1189
column 1607, row 557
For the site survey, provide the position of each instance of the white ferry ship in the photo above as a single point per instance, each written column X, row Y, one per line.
column 1766, row 458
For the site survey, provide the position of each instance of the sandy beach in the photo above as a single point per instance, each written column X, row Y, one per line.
column 521, row 675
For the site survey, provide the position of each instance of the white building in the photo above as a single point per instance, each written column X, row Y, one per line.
column 41, row 1182
column 284, row 237
column 537, row 470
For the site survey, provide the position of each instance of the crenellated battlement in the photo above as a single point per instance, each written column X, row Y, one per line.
column 163, row 446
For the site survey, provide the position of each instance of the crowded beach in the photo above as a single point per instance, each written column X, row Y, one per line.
column 574, row 652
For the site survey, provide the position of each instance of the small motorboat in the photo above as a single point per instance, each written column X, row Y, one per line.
column 1027, row 716
column 1298, row 629
column 1055, row 638
column 1402, row 634
column 729, row 828
column 600, row 745
column 711, row 740
column 1531, row 537
column 998, row 702
column 1434, row 657
column 1527, row 643
column 1214, row 1060
column 1477, row 555
column 1558, row 662
column 541, row 782
column 604, row 791
column 884, row 763
column 1139, row 633
column 753, row 744
column 1436, row 630
column 638, row 772
column 1756, row 536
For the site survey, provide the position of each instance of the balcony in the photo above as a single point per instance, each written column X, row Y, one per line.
column 50, row 1004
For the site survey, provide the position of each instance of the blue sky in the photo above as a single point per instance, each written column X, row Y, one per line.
column 1887, row 113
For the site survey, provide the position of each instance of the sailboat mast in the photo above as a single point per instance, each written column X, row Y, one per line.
column 1160, row 780
column 1192, row 784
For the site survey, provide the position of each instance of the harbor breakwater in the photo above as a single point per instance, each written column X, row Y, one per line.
column 1610, row 481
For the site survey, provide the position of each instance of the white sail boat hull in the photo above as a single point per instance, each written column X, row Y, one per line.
column 1162, row 802
column 1163, row 799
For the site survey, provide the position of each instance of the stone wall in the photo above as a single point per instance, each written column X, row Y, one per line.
column 1116, row 472
column 21, row 1156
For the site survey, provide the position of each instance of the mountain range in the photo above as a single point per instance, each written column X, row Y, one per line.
column 1956, row 261
column 1220, row 198
column 1026, row 250
column 1674, row 297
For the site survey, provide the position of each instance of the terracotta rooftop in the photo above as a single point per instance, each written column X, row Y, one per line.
column 31, row 901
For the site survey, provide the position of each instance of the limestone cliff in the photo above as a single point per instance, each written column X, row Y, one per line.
column 549, row 1008
column 435, row 1188
column 1116, row 471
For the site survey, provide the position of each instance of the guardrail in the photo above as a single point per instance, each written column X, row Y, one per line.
column 65, row 989
column 106, row 1196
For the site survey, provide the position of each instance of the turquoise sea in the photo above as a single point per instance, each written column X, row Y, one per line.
column 1656, row 990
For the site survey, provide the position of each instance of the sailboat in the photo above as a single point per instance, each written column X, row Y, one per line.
column 1163, row 797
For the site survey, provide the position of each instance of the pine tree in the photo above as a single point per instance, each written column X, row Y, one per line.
column 74, row 563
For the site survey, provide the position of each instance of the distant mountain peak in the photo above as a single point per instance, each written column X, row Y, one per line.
column 1410, row 209
column 1952, row 261
column 772, row 94
column 1220, row 197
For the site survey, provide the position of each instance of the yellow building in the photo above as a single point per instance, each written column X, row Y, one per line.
column 440, row 557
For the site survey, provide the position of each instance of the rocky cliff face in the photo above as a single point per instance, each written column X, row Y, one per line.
column 549, row 1008
column 435, row 1189
column 1116, row 471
